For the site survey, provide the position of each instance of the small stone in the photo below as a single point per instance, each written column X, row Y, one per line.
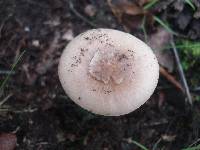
column 36, row 43
column 68, row 36
column 27, row 29
column 90, row 10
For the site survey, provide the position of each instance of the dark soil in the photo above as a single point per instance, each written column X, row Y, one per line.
column 44, row 118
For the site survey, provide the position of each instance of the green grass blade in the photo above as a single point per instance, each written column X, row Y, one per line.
column 139, row 145
column 193, row 148
column 191, row 46
column 156, row 144
column 150, row 4
column 189, row 2
column 144, row 29
column 164, row 25
column 2, row 85
column 197, row 45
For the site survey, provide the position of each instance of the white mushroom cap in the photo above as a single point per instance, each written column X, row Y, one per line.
column 108, row 72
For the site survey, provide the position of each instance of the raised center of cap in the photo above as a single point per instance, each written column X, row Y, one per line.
column 108, row 65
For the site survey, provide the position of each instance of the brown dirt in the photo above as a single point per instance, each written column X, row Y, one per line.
column 40, row 113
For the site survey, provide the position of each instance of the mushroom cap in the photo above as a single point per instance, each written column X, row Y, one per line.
column 108, row 72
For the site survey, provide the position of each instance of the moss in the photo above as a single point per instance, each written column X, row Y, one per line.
column 190, row 59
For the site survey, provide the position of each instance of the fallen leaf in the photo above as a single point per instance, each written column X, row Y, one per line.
column 8, row 141
column 165, row 59
column 129, row 14
column 120, row 7
column 132, row 22
column 158, row 41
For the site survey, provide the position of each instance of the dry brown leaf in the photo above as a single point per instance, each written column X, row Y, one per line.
column 8, row 141
column 130, row 14
column 120, row 7
column 157, row 42
column 132, row 22
column 160, row 39
column 123, row 6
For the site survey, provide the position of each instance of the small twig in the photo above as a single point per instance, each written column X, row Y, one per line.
column 16, row 130
column 19, row 47
column 171, row 79
column 130, row 141
column 26, row 110
column 7, row 72
column 155, row 146
column 12, row 69
column 180, row 69
column 194, row 143
column 71, row 6
column 5, row 99
column 42, row 143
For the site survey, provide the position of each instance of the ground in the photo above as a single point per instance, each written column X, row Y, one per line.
column 41, row 116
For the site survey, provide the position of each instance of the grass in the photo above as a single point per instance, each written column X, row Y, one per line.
column 186, row 44
column 189, row 2
column 144, row 29
column 2, row 85
column 193, row 148
column 139, row 145
column 142, row 147
column 190, row 47
column 150, row 4
column 163, row 24
column 189, row 52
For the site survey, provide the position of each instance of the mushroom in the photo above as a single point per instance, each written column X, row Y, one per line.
column 108, row 72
